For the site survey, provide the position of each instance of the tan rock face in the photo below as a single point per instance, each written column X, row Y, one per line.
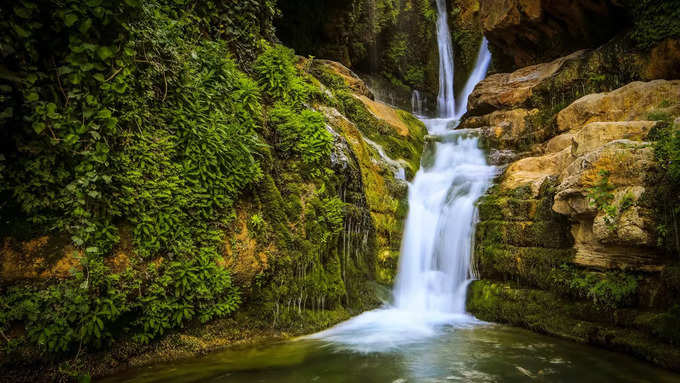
column 570, row 77
column 386, row 113
column 559, row 143
column 510, row 90
column 596, row 134
column 626, row 162
column 524, row 32
column 630, row 102
column 533, row 171
column 603, row 140
column 41, row 257
column 502, row 129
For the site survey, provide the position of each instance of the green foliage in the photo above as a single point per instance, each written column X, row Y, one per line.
column 601, row 197
column 132, row 117
column 654, row 21
column 275, row 71
column 302, row 133
column 135, row 134
column 77, row 312
column 666, row 139
column 183, row 289
column 627, row 201
column 609, row 290
column 278, row 78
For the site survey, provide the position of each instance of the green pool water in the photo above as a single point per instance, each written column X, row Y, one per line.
column 484, row 353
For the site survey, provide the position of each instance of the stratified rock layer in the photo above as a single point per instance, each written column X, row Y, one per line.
column 572, row 217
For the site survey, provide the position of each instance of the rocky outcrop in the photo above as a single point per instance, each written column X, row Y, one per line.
column 507, row 90
column 386, row 142
column 596, row 152
column 573, row 215
column 633, row 101
column 525, row 32
column 537, row 93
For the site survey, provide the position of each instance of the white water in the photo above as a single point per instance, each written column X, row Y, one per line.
column 445, row 101
column 477, row 75
column 416, row 103
column 434, row 266
column 397, row 167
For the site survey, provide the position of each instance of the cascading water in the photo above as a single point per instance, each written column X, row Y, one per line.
column 445, row 101
column 416, row 103
column 477, row 75
column 434, row 267
column 438, row 237
column 397, row 167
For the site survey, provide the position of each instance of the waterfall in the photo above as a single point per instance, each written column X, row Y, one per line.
column 477, row 75
column 438, row 238
column 445, row 100
column 434, row 265
column 416, row 103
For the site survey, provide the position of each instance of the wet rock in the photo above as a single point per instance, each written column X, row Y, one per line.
column 501, row 157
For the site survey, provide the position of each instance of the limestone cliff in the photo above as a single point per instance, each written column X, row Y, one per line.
column 567, row 241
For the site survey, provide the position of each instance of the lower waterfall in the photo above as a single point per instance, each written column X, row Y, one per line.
column 436, row 252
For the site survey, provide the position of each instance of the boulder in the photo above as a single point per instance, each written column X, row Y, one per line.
column 350, row 78
column 634, row 101
column 510, row 90
column 596, row 134
column 532, row 171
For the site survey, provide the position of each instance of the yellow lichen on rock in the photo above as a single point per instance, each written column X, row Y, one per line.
column 633, row 101
column 244, row 255
column 386, row 113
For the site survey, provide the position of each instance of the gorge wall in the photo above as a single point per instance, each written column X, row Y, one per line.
column 577, row 238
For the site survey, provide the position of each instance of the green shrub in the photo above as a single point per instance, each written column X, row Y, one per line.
column 612, row 289
column 144, row 123
column 601, row 197
column 277, row 76
column 653, row 20
column 193, row 286
column 78, row 312
column 302, row 133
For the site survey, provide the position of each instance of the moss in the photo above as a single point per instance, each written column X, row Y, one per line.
column 529, row 266
column 525, row 233
column 466, row 37
column 395, row 145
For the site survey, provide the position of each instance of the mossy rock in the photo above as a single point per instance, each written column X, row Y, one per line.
column 548, row 313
